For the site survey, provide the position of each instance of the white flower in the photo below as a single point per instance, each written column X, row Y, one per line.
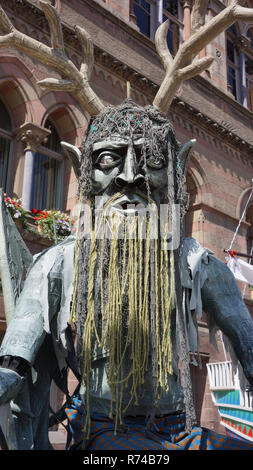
column 17, row 215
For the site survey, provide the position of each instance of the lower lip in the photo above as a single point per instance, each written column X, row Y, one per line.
column 128, row 211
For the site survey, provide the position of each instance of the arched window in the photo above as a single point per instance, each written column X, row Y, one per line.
column 47, row 173
column 5, row 144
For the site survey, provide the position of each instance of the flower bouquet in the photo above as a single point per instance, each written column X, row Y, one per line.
column 16, row 210
column 53, row 224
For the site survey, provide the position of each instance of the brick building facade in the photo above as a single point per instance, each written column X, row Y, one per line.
column 215, row 108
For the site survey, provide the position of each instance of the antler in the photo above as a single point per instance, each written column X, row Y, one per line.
column 186, row 63
column 73, row 80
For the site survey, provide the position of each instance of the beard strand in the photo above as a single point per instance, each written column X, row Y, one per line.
column 125, row 297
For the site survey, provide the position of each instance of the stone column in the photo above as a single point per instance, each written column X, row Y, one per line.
column 33, row 136
column 159, row 12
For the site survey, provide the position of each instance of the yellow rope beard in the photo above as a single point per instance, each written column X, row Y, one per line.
column 131, row 282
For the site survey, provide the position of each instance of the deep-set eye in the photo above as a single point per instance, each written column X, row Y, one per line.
column 156, row 163
column 107, row 159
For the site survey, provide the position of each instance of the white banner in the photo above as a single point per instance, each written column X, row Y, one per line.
column 242, row 270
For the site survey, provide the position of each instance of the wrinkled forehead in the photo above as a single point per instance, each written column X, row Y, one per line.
column 115, row 142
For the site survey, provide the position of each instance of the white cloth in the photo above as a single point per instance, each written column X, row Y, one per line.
column 194, row 261
column 242, row 270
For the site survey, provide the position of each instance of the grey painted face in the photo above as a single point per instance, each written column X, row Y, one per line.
column 117, row 167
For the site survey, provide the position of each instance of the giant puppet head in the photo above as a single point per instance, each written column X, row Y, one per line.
column 132, row 151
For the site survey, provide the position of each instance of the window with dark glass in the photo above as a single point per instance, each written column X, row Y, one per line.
column 171, row 6
column 250, row 35
column 142, row 11
column 5, row 144
column 230, row 51
column 47, row 173
column 232, row 66
column 171, row 13
column 232, row 80
column 249, row 80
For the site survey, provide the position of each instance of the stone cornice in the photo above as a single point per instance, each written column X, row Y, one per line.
column 211, row 125
column 186, row 3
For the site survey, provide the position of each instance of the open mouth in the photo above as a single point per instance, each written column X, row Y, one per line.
column 129, row 207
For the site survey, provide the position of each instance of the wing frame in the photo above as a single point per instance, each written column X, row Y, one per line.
column 15, row 259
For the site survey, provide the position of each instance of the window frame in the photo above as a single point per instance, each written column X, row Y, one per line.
column 60, row 158
column 156, row 18
column 176, row 20
column 249, row 78
column 249, row 90
column 234, row 66
column 152, row 3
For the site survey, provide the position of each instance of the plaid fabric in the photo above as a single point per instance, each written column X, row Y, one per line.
column 168, row 432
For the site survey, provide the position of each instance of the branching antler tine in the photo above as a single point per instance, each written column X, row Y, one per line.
column 162, row 46
column 198, row 14
column 195, row 68
column 5, row 23
column 87, row 50
column 55, row 84
column 73, row 80
column 215, row 26
column 55, row 27
column 181, row 67
column 243, row 13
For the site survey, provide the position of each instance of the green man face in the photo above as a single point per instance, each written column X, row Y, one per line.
column 118, row 167
column 128, row 150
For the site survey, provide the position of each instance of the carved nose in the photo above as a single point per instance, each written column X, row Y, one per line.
column 130, row 173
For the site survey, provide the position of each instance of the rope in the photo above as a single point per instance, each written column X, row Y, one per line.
column 234, row 253
column 241, row 219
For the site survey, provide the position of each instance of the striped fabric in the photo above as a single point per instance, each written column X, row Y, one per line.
column 168, row 432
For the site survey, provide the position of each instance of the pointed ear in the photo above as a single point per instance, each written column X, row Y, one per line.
column 184, row 154
column 74, row 155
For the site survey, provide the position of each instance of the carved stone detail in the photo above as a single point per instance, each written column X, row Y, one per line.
column 32, row 135
column 186, row 3
column 243, row 43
